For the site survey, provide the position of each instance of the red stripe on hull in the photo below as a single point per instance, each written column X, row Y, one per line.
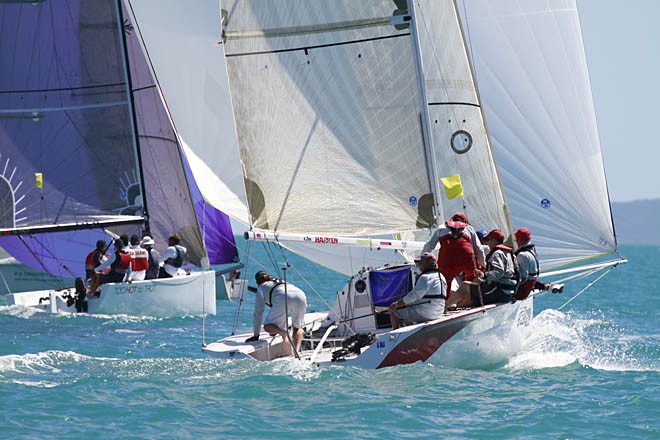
column 420, row 345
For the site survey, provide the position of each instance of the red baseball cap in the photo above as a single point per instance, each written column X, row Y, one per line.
column 495, row 233
column 460, row 217
column 523, row 234
column 426, row 256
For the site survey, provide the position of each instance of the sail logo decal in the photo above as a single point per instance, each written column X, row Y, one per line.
column 9, row 199
column 131, row 194
column 546, row 204
column 326, row 240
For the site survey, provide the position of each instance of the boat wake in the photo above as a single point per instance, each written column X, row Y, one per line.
column 23, row 312
column 44, row 369
column 558, row 340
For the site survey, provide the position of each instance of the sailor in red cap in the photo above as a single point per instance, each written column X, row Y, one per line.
column 498, row 283
column 460, row 249
column 528, row 266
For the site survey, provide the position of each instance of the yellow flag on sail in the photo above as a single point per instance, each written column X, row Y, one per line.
column 453, row 186
column 40, row 179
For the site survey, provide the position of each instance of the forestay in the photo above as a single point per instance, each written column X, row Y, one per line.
column 533, row 81
column 327, row 110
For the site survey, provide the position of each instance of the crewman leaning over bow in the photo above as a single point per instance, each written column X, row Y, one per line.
column 281, row 297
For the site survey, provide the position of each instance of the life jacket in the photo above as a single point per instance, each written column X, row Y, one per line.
column 513, row 279
column 427, row 296
column 526, row 287
column 93, row 259
column 178, row 261
column 121, row 263
column 455, row 250
column 139, row 259
column 152, row 270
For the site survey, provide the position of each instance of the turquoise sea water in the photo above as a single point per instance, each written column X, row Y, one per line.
column 591, row 370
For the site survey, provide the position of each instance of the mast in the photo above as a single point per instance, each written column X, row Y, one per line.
column 507, row 211
column 131, row 100
column 425, row 119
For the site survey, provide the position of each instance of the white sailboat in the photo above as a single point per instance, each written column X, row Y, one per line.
column 82, row 114
column 347, row 115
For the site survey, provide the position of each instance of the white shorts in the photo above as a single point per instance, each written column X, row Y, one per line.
column 296, row 305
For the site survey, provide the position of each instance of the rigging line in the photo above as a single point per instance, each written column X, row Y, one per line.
column 586, row 287
column 311, row 287
column 287, row 264
column 239, row 305
column 45, row 270
column 5, row 282
column 269, row 252
column 574, row 276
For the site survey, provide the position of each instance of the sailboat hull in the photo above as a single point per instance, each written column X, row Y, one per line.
column 193, row 294
column 419, row 342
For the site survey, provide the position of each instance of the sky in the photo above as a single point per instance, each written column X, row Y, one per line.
column 622, row 43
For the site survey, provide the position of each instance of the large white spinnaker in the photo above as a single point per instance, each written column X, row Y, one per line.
column 327, row 110
column 534, row 86
column 183, row 43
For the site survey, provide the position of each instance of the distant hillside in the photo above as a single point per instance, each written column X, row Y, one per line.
column 637, row 222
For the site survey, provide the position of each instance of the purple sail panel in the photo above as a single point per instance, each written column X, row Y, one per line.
column 218, row 236
column 60, row 254
column 215, row 226
column 64, row 114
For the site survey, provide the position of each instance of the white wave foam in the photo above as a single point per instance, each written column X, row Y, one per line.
column 19, row 311
column 52, row 361
column 558, row 339
column 297, row 368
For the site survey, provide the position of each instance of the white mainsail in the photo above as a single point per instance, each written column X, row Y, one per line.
column 534, row 85
column 327, row 110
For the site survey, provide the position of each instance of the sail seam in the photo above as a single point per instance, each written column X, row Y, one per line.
column 319, row 46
